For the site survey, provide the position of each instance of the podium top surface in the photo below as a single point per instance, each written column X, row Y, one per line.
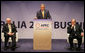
column 42, row 20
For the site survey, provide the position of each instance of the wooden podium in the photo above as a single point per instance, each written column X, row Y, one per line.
column 42, row 34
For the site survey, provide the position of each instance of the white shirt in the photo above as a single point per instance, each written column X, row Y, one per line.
column 9, row 26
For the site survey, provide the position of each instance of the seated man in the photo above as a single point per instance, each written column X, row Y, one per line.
column 75, row 31
column 9, row 30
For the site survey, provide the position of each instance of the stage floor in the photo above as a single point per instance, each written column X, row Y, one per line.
column 26, row 45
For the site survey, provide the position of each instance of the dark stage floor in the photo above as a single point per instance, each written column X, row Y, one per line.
column 26, row 45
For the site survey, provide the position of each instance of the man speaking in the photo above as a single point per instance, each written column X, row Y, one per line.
column 43, row 13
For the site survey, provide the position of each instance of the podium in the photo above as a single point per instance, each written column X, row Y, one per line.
column 42, row 34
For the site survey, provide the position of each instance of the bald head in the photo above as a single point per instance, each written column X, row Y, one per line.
column 73, row 21
column 42, row 6
column 8, row 20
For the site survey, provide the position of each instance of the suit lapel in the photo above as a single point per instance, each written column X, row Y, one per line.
column 11, row 26
column 41, row 14
column 76, row 27
column 7, row 27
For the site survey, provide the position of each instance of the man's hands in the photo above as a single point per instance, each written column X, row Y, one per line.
column 35, row 18
column 82, row 34
column 72, row 26
column 10, row 34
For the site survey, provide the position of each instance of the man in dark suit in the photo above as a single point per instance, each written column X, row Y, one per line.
column 9, row 30
column 43, row 13
column 75, row 31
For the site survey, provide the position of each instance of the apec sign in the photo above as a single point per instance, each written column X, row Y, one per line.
column 56, row 24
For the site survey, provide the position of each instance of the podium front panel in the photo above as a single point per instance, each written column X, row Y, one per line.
column 42, row 34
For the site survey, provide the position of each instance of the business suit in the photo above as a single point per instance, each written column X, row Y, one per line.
column 75, row 33
column 46, row 15
column 5, row 30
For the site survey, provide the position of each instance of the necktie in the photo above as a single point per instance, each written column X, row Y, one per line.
column 9, row 26
column 43, row 14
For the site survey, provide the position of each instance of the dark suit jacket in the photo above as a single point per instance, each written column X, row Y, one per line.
column 72, row 32
column 5, row 29
column 46, row 14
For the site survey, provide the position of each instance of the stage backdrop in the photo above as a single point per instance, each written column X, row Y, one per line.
column 23, row 12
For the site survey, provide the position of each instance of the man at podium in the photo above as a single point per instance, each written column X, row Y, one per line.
column 42, row 30
column 43, row 13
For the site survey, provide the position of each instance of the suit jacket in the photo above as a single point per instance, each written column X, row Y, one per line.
column 77, row 31
column 46, row 14
column 5, row 29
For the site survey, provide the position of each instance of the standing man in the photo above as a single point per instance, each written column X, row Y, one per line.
column 75, row 31
column 43, row 13
column 9, row 30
